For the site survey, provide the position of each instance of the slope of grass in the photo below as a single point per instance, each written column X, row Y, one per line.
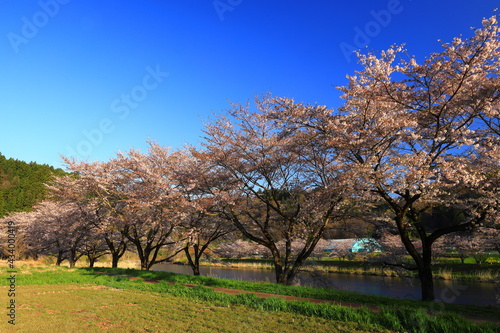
column 309, row 292
column 93, row 308
column 400, row 315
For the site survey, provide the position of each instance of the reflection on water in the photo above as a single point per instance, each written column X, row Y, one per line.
column 445, row 291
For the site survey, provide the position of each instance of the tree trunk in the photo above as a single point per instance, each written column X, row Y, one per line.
column 286, row 273
column 72, row 257
column 290, row 277
column 278, row 270
column 422, row 260
column 425, row 271
column 91, row 262
column 114, row 259
column 292, row 274
column 144, row 262
column 146, row 258
column 426, row 283
column 60, row 258
column 195, row 264
column 284, row 276
column 116, row 252
column 143, row 254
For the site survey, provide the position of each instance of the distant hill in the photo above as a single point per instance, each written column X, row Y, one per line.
column 21, row 184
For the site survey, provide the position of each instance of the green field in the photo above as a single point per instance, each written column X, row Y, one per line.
column 93, row 308
column 58, row 299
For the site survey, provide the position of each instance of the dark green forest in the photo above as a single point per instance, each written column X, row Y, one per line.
column 22, row 184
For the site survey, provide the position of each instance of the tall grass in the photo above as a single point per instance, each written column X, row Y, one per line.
column 487, row 275
column 249, row 265
column 312, row 266
column 444, row 273
column 483, row 275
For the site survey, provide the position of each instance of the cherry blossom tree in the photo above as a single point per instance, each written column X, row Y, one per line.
column 321, row 249
column 393, row 252
column 239, row 248
column 88, row 190
column 491, row 238
column 287, row 187
column 342, row 248
column 59, row 229
column 475, row 244
column 140, row 191
column 459, row 245
column 23, row 246
column 413, row 134
column 152, row 206
column 202, row 225
column 110, row 229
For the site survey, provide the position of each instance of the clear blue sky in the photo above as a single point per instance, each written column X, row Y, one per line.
column 89, row 78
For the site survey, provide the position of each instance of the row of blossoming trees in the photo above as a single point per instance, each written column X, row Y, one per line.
column 410, row 139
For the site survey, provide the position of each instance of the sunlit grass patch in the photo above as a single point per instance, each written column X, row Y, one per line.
column 87, row 308
column 479, row 275
column 444, row 273
column 487, row 275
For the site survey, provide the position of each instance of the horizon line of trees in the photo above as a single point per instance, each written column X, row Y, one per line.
column 22, row 184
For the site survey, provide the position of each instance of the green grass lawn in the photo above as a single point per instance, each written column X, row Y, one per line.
column 310, row 292
column 93, row 308
column 81, row 300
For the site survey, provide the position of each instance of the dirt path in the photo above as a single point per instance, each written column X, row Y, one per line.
column 374, row 308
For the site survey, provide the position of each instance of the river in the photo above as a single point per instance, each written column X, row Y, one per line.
column 460, row 292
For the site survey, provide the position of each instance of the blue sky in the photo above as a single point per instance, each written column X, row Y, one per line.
column 89, row 78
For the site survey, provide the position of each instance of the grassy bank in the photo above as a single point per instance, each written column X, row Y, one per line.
column 395, row 315
column 90, row 308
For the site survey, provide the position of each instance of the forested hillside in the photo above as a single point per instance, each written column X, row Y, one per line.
column 21, row 184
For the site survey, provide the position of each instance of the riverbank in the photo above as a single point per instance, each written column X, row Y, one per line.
column 394, row 315
column 489, row 273
column 472, row 292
